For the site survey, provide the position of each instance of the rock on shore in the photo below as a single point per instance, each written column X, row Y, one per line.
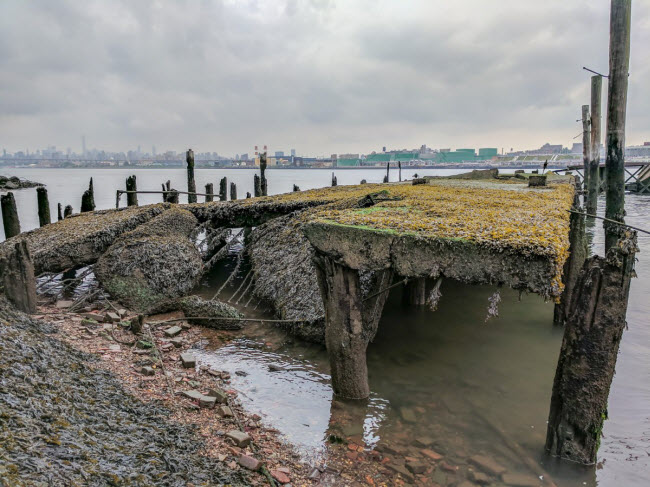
column 12, row 182
column 199, row 307
column 65, row 423
column 149, row 268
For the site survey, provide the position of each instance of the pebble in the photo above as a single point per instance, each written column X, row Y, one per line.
column 314, row 474
column 276, row 368
column 280, row 476
column 240, row 438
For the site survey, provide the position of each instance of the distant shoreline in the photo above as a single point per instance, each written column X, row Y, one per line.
column 270, row 168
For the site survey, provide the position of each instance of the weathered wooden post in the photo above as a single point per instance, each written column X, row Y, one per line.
column 10, row 215
column 596, row 318
column 173, row 196
column 131, row 185
column 594, row 163
column 209, row 192
column 334, row 182
column 263, row 182
column 351, row 321
column 586, row 144
column 248, row 194
column 223, row 189
column 88, row 198
column 296, row 188
column 387, row 177
column 415, row 292
column 399, row 165
column 233, row 191
column 59, row 211
column 191, row 184
column 19, row 279
column 363, row 181
column 67, row 212
column 43, row 206
column 257, row 186
column 619, row 64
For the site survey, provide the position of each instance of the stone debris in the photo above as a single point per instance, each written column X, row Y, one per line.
column 64, row 304
column 225, row 412
column 173, row 331
column 487, row 465
column 220, row 396
column 94, row 316
column 240, row 438
column 479, row 477
column 281, row 476
column 520, row 480
column 193, row 394
column 431, row 454
column 207, row 402
column 188, row 360
column 408, row 415
column 177, row 342
column 111, row 317
column 416, row 466
column 147, row 371
column 250, row 463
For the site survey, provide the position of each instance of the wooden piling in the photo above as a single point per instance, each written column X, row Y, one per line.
column 209, row 192
column 10, row 215
column 415, row 292
column 67, row 212
column 172, row 196
column 263, row 183
column 233, row 191
column 387, row 178
column 296, row 188
column 257, row 186
column 334, row 181
column 223, row 189
column 248, row 194
column 351, row 321
column 43, row 206
column 19, row 279
column 586, row 143
column 619, row 63
column 59, row 211
column 594, row 162
column 585, row 369
column 131, row 185
column 88, row 198
column 191, row 183
column 363, row 181
column 399, row 166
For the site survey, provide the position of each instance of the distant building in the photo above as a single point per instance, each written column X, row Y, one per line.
column 638, row 150
column 293, row 152
column 279, row 153
column 576, row 148
column 244, row 157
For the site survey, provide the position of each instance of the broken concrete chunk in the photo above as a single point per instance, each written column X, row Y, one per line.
column 281, row 476
column 64, row 304
column 122, row 312
column 240, row 438
column 147, row 371
column 207, row 402
column 111, row 317
column 219, row 395
column 225, row 412
column 94, row 317
column 173, row 331
column 177, row 342
column 189, row 361
column 193, row 394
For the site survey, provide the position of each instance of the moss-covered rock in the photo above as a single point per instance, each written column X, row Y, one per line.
column 149, row 268
column 195, row 306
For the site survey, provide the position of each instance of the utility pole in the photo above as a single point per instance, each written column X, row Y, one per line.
column 594, row 163
column 619, row 65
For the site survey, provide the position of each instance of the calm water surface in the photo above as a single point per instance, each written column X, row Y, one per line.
column 464, row 379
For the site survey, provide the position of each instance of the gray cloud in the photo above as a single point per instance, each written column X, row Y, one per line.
column 321, row 76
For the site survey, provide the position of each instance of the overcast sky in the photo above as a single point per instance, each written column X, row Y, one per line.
column 319, row 76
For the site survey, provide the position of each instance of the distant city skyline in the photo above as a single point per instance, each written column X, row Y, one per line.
column 322, row 76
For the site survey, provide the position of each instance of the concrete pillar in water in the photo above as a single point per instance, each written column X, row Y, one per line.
column 593, row 187
column 43, row 206
column 223, row 189
column 415, row 292
column 233, row 191
column 351, row 321
column 585, row 369
column 131, row 185
column 10, row 215
column 191, row 183
column 209, row 192
column 67, row 212
column 19, row 279
column 88, row 198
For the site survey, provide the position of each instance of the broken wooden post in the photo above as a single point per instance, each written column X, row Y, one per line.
column 578, row 252
column 137, row 324
column 88, row 198
column 351, row 320
column 619, row 63
column 223, row 189
column 415, row 292
column 296, row 188
column 263, row 182
column 233, row 191
column 248, row 194
column 43, row 206
column 585, row 369
column 586, row 143
column 191, row 184
column 10, row 215
column 209, row 192
column 59, row 211
column 363, row 181
column 257, row 186
column 67, row 212
column 387, row 177
column 334, row 182
column 131, row 185
column 593, row 187
column 399, row 165
column 19, row 279
column 172, row 196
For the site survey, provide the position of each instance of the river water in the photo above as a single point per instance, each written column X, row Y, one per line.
column 448, row 375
